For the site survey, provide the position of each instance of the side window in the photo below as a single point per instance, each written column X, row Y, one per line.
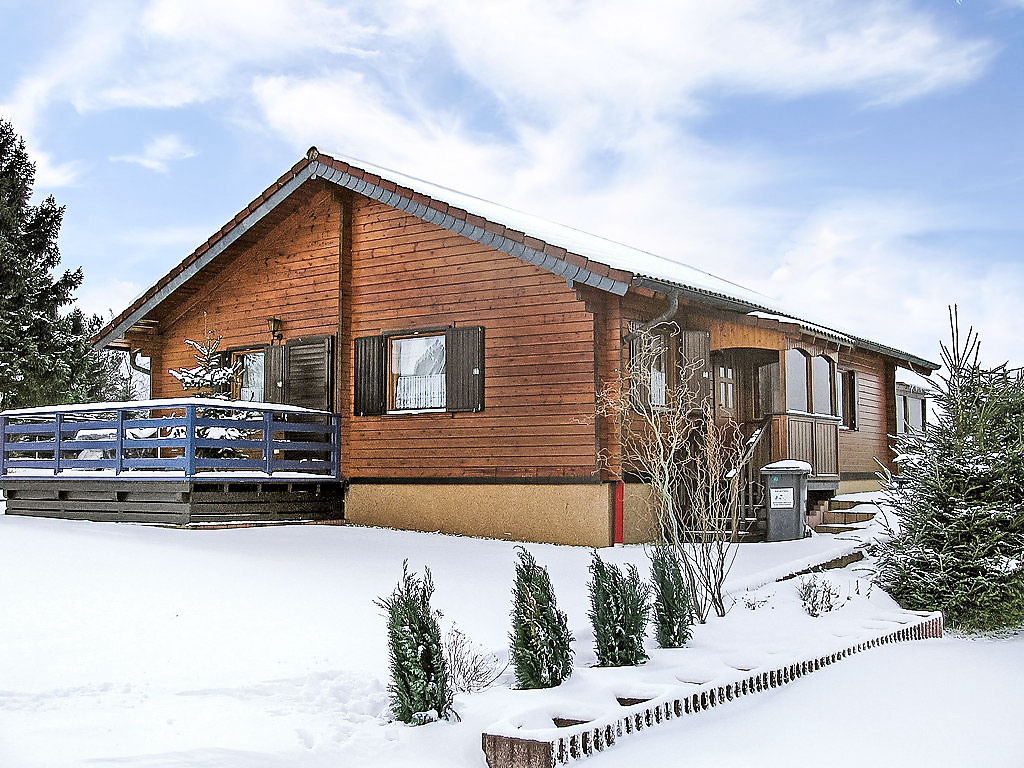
column 651, row 388
column 821, row 385
column 416, row 368
column 419, row 372
column 250, row 384
column 846, row 398
column 796, row 380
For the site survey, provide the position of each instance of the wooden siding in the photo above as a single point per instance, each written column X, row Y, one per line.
column 290, row 271
column 859, row 447
column 537, row 419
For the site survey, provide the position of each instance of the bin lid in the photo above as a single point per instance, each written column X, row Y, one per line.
column 787, row 465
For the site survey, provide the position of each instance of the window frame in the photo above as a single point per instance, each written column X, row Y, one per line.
column 391, row 379
column 238, row 354
column 847, row 398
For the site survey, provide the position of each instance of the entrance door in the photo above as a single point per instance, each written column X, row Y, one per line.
column 725, row 387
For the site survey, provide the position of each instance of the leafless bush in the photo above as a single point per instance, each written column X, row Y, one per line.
column 669, row 436
column 470, row 667
column 818, row 597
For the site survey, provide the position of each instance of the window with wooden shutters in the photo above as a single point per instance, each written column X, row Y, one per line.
column 307, row 379
column 420, row 372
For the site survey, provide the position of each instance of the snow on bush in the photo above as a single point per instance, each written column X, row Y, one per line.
column 673, row 606
column 420, row 689
column 619, row 605
column 539, row 641
column 960, row 498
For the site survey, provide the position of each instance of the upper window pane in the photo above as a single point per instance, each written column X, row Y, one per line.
column 821, row 384
column 796, row 380
column 250, row 381
column 416, row 373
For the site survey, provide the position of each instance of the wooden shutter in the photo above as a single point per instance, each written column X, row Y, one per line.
column 307, row 379
column 368, row 364
column 695, row 362
column 464, row 368
column 273, row 374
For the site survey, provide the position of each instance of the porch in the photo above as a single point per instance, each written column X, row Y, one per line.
column 184, row 461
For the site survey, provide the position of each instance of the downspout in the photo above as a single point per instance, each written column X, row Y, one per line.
column 135, row 365
column 664, row 317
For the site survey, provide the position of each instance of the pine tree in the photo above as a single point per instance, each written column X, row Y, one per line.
column 420, row 689
column 618, row 612
column 43, row 351
column 959, row 546
column 673, row 607
column 539, row 640
column 211, row 376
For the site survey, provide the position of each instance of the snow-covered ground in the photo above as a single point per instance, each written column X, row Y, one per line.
column 137, row 646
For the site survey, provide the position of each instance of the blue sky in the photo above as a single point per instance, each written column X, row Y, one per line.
column 862, row 162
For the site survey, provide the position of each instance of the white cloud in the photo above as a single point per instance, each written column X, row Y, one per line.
column 159, row 153
column 858, row 266
column 104, row 295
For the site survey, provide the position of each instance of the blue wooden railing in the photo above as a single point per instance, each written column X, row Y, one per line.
column 190, row 437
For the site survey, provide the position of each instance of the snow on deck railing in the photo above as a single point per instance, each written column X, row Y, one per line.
column 185, row 437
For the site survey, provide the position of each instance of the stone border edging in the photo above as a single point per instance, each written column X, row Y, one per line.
column 583, row 740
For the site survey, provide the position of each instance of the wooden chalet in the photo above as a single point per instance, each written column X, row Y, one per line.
column 460, row 346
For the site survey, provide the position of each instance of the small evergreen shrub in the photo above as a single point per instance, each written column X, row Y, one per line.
column 420, row 689
column 673, row 607
column 619, row 605
column 959, row 546
column 540, row 636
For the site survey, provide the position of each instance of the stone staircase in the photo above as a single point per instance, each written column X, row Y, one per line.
column 839, row 515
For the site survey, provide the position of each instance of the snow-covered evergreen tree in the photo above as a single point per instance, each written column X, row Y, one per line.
column 43, row 349
column 619, row 605
column 539, row 640
column 959, row 499
column 673, row 606
column 212, row 376
column 420, row 688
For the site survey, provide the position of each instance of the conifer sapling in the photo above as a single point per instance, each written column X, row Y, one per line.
column 539, row 640
column 673, row 607
column 420, row 689
column 619, row 605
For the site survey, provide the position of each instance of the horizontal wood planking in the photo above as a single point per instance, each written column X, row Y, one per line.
column 290, row 271
column 539, row 355
column 858, row 448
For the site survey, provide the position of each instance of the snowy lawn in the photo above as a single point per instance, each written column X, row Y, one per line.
column 135, row 646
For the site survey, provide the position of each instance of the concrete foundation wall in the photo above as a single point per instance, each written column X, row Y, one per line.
column 639, row 525
column 553, row 513
column 857, row 486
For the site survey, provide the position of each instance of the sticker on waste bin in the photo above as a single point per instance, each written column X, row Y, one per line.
column 782, row 498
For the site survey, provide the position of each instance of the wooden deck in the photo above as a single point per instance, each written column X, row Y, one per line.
column 186, row 462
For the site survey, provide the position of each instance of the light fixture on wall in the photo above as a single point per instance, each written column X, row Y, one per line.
column 275, row 324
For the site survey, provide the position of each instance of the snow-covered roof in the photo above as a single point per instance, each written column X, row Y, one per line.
column 578, row 256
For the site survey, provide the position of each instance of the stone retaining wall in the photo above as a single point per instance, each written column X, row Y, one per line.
column 578, row 741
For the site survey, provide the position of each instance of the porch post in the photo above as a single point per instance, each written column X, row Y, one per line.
column 190, row 440
column 119, row 446
column 268, row 441
column 3, row 445
column 58, row 423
